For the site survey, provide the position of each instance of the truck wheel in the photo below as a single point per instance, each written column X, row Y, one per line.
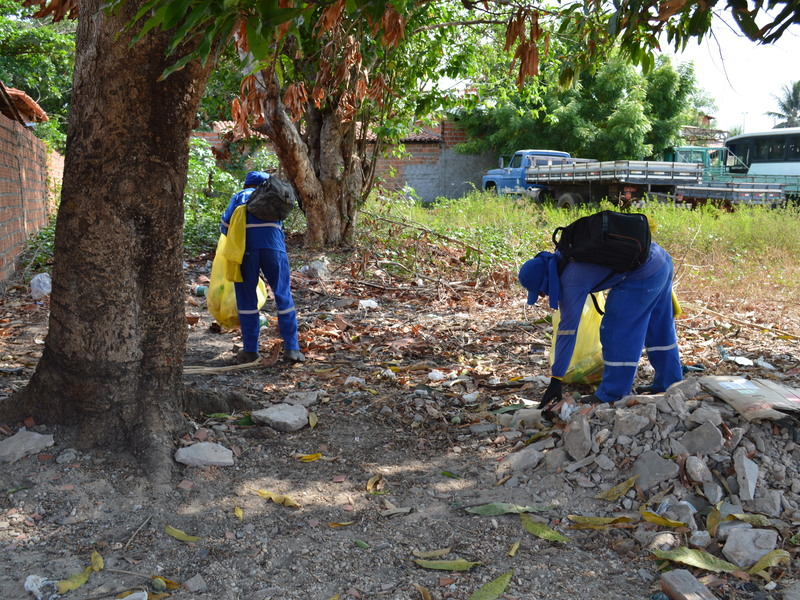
column 568, row 200
column 490, row 188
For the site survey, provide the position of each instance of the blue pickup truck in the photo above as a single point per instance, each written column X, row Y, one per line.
column 511, row 179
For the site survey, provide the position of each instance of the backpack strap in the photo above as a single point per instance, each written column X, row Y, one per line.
column 596, row 305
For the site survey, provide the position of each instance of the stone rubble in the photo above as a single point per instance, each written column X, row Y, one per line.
column 690, row 453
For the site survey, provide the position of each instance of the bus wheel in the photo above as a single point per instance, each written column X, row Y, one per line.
column 568, row 200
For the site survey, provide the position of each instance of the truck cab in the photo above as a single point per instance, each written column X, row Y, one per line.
column 511, row 179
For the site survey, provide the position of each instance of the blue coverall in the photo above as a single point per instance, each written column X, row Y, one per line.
column 265, row 251
column 638, row 314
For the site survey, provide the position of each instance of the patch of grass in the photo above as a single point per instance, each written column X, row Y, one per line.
column 751, row 253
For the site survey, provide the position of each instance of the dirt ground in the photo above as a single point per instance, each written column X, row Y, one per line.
column 402, row 455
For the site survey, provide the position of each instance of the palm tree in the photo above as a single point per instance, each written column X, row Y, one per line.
column 789, row 105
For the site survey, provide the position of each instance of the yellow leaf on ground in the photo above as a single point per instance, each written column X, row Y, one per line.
column 514, row 547
column 541, row 530
column 313, row 419
column 770, row 559
column 375, row 483
column 73, row 582
column 278, row 498
column 659, row 520
column 238, row 512
column 180, row 535
column 596, row 522
column 616, row 492
column 308, row 457
column 423, row 592
column 345, row 524
column 447, row 565
column 97, row 561
column 493, row 589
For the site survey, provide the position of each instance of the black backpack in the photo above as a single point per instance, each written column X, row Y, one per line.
column 619, row 241
column 272, row 200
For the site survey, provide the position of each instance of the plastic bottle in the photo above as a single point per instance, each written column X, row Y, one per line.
column 201, row 290
column 263, row 321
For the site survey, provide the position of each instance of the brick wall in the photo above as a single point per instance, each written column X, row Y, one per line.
column 27, row 194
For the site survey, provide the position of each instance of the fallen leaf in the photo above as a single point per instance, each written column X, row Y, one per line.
column 541, row 530
column 362, row 544
column 431, row 553
column 308, row 457
column 451, row 475
column 756, row 520
column 180, row 535
column 770, row 559
column 73, row 582
column 345, row 524
column 375, row 482
column 238, row 512
column 596, row 522
column 97, row 561
column 694, row 557
column 447, row 565
column 514, row 547
column 493, row 589
column 278, row 498
column 502, row 508
column 616, row 492
column 423, row 592
column 659, row 520
column 313, row 419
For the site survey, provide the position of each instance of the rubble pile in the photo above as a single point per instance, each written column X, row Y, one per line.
column 723, row 484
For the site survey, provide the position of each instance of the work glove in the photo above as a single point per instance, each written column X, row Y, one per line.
column 553, row 393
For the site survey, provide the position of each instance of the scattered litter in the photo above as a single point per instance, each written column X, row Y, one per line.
column 354, row 381
column 41, row 286
column 367, row 304
column 743, row 361
column 754, row 398
column 36, row 585
column 436, row 375
column 765, row 365
column 470, row 398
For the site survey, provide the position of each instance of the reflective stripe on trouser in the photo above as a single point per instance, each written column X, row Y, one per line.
column 275, row 266
column 638, row 315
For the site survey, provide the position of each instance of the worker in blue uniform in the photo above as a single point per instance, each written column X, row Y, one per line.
column 264, row 251
column 638, row 314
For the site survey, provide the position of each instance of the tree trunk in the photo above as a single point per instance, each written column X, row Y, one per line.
column 113, row 358
column 324, row 167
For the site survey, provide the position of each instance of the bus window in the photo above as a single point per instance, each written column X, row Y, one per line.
column 761, row 149
column 793, row 148
column 777, row 148
column 738, row 157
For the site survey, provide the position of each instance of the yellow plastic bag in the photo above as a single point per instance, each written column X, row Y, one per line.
column 221, row 298
column 586, row 365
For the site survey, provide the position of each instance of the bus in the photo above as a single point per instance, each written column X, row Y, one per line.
column 774, row 152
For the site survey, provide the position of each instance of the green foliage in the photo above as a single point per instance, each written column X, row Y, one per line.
column 747, row 247
column 38, row 254
column 614, row 113
column 207, row 193
column 788, row 102
column 37, row 58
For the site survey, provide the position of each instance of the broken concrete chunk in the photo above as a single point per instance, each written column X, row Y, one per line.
column 697, row 471
column 578, row 437
column 303, row 398
column 517, row 462
column 652, row 469
column 680, row 584
column 746, row 474
column 23, row 443
column 205, row 454
column 706, row 414
column 745, row 547
column 703, row 440
column 282, row 417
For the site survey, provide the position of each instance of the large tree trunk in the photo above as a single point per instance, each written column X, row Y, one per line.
column 324, row 167
column 112, row 361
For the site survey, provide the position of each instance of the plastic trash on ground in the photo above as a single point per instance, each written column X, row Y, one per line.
column 41, row 286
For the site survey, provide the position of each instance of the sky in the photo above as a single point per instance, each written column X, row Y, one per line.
column 742, row 77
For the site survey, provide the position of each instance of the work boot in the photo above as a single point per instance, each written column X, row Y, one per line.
column 294, row 356
column 243, row 357
column 645, row 389
column 590, row 399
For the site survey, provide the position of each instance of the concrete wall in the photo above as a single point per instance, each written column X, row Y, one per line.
column 26, row 198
